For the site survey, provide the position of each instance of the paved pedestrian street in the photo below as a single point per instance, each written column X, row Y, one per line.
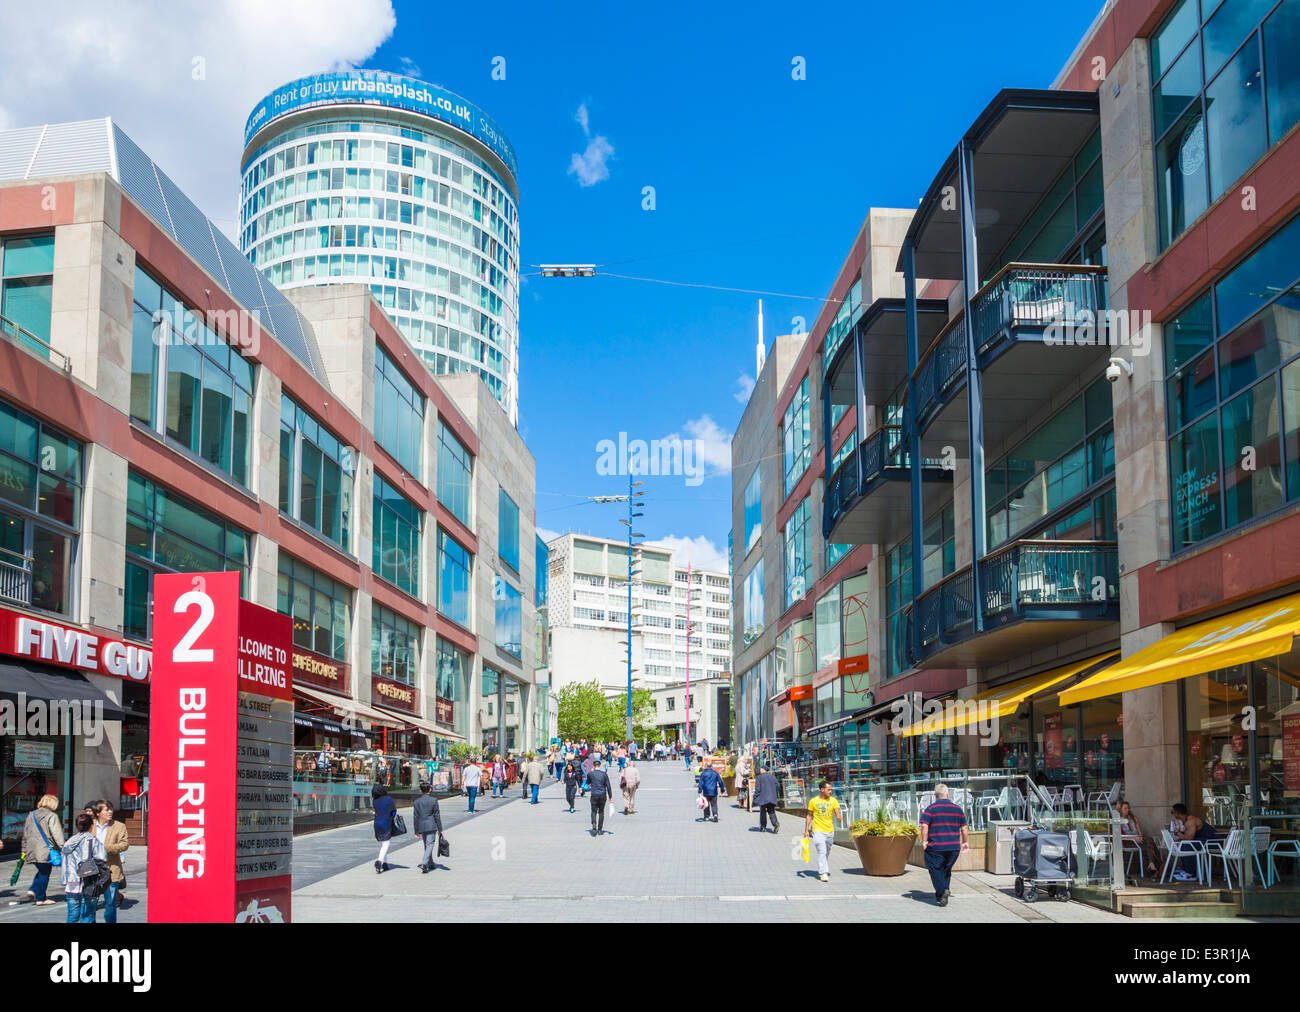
column 517, row 862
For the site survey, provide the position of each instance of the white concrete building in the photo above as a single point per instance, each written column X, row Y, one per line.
column 589, row 592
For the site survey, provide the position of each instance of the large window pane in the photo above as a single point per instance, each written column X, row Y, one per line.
column 1227, row 28
column 1169, row 40
column 1194, row 483
column 1188, row 334
column 1235, row 127
column 184, row 365
column 1181, row 85
column 1282, row 69
column 508, row 530
column 1252, row 454
column 1291, row 421
column 1191, row 391
column 218, row 395
column 1181, row 176
column 1260, row 345
column 1270, row 270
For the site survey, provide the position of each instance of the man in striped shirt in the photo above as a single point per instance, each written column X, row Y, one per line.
column 943, row 836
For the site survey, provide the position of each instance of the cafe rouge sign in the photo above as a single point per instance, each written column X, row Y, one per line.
column 48, row 642
column 393, row 694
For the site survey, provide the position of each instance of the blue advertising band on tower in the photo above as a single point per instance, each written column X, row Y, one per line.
column 375, row 87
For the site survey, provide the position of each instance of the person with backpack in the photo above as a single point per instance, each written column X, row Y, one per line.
column 385, row 811
column 84, row 871
column 42, row 841
column 114, row 837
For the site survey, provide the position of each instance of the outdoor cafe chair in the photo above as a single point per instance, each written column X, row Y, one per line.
column 1281, row 848
column 1260, row 839
column 1183, row 848
column 1098, row 849
column 1129, row 845
column 1230, row 849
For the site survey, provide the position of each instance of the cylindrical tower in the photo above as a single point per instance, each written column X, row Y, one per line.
column 374, row 178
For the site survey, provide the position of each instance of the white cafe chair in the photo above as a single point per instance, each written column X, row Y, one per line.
column 1231, row 849
column 1259, row 845
column 1182, row 848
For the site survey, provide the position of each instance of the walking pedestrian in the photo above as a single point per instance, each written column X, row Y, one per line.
column 42, row 836
column 766, row 795
column 630, row 781
column 428, row 826
column 743, row 771
column 533, row 777
column 83, row 846
column 943, row 837
column 602, row 794
column 622, row 758
column 572, row 780
column 587, row 764
column 498, row 777
column 471, row 776
column 114, row 837
column 710, row 783
column 384, row 808
column 521, row 765
column 823, row 810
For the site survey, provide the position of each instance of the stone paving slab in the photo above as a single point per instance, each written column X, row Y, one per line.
column 524, row 862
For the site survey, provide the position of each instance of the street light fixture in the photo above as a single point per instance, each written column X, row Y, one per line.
column 568, row 270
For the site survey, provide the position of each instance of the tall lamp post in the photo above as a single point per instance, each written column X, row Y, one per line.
column 635, row 500
column 690, row 629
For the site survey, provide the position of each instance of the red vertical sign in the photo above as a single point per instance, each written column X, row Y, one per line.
column 192, row 768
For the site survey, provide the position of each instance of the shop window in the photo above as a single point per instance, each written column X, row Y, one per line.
column 454, row 565
column 1231, row 369
column 394, row 646
column 167, row 533
column 396, row 538
column 453, row 687
column 315, row 475
column 1214, row 70
column 188, row 382
column 509, row 611
column 26, row 289
column 320, row 607
column 40, row 512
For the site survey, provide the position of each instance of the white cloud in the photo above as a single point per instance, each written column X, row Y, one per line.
column 699, row 551
column 409, row 67
column 744, row 387
column 547, row 535
column 712, row 443
column 179, row 76
column 592, row 165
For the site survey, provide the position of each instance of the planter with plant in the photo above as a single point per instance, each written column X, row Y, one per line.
column 884, row 842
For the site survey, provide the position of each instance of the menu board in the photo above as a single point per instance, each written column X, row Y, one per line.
column 1291, row 752
column 263, row 768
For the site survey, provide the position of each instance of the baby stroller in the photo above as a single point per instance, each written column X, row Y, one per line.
column 1041, row 857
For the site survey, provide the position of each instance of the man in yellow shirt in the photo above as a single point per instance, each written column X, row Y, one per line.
column 823, row 810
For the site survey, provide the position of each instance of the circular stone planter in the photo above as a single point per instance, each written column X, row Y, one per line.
column 884, row 855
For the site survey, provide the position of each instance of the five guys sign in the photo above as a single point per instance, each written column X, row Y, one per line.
column 221, row 714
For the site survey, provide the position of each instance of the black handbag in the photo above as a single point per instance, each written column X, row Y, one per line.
column 444, row 848
column 398, row 826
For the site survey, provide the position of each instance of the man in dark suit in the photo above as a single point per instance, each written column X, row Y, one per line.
column 602, row 794
column 428, row 825
column 766, row 796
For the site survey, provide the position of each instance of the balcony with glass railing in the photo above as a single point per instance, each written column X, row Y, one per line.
column 1033, row 594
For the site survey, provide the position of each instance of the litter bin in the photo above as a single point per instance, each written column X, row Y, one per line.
column 1001, row 843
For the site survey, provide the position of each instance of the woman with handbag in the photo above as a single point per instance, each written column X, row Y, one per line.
column 42, row 845
column 385, row 815
column 79, row 853
column 573, row 778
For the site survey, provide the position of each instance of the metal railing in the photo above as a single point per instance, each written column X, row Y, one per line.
column 841, row 489
column 15, row 577
column 941, row 369
column 29, row 341
column 1036, row 295
column 1042, row 573
column 945, row 613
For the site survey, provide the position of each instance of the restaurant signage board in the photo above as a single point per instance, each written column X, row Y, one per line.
column 69, row 647
column 221, row 749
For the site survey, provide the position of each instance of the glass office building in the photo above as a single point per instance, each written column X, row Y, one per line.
column 365, row 177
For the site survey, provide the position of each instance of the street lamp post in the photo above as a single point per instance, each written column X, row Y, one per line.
column 634, row 501
column 690, row 628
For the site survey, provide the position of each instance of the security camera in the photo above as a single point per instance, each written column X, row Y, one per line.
column 1118, row 367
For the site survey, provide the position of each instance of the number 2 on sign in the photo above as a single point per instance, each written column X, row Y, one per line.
column 184, row 651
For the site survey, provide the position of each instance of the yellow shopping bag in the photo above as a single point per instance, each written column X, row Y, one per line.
column 806, row 851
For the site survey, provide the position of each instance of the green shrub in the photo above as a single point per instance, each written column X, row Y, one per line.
column 883, row 824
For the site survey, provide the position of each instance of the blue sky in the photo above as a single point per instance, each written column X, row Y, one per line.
column 761, row 182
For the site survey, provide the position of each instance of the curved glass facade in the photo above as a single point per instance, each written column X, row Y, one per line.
column 412, row 207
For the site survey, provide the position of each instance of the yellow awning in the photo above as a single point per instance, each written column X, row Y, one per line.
column 1252, row 634
column 1001, row 701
